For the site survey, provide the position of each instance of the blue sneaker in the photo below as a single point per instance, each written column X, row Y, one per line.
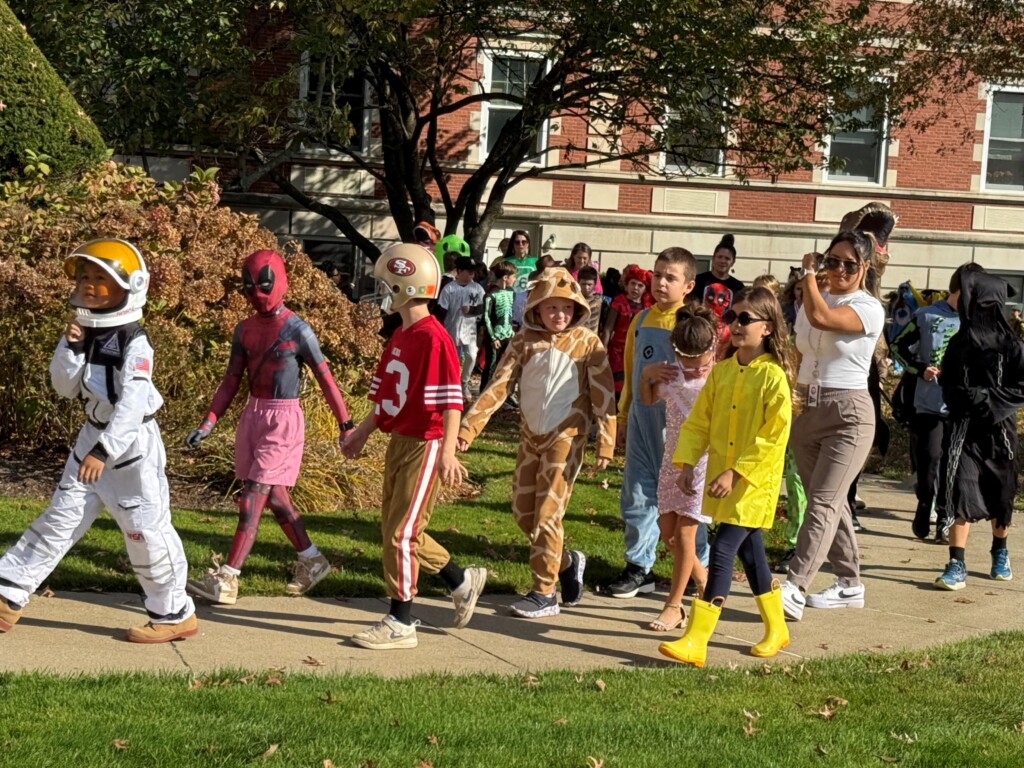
column 954, row 577
column 1001, row 565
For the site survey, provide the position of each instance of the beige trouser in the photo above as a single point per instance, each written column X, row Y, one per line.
column 410, row 487
column 830, row 442
column 543, row 483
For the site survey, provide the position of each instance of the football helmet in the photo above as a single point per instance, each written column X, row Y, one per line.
column 410, row 272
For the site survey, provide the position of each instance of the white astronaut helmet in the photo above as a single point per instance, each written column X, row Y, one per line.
column 123, row 262
column 410, row 272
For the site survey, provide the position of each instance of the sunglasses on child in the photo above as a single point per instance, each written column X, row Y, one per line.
column 743, row 318
column 833, row 264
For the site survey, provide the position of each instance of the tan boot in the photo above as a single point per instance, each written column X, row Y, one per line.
column 776, row 633
column 8, row 616
column 163, row 633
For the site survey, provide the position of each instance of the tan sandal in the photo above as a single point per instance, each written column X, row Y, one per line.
column 660, row 625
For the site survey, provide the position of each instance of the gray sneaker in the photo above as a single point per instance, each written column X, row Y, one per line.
column 572, row 578
column 535, row 606
column 387, row 634
column 466, row 594
column 309, row 571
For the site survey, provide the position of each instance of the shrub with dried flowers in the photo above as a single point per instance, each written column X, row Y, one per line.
column 194, row 249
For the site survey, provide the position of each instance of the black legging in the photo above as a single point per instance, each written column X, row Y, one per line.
column 730, row 541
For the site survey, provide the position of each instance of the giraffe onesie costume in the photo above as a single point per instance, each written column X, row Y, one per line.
column 564, row 379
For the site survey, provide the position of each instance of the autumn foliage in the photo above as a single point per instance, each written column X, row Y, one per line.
column 194, row 249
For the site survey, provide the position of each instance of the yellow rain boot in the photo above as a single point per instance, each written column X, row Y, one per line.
column 692, row 647
column 776, row 634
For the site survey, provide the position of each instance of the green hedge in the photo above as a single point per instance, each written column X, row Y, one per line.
column 38, row 112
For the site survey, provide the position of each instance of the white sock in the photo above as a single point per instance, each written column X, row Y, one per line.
column 229, row 570
column 310, row 551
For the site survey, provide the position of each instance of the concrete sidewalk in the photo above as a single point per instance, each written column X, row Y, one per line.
column 81, row 632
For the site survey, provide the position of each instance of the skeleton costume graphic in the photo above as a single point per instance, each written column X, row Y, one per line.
column 269, row 348
column 564, row 382
column 105, row 361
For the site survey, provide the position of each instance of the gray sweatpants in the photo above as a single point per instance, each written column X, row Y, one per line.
column 830, row 442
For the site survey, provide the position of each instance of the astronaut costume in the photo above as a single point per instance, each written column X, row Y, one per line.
column 110, row 370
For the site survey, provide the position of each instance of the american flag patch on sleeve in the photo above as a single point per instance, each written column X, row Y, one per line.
column 141, row 364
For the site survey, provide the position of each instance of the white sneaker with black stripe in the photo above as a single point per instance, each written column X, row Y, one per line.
column 387, row 634
column 841, row 594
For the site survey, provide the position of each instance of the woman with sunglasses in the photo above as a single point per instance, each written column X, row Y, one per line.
column 836, row 331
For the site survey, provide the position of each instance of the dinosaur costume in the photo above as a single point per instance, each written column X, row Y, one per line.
column 563, row 378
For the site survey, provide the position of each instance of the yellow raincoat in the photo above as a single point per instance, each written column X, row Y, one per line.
column 742, row 418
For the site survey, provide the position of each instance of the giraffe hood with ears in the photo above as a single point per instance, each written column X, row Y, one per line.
column 554, row 283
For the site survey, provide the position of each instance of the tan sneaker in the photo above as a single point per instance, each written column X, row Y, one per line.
column 387, row 634
column 8, row 616
column 163, row 633
column 309, row 571
column 216, row 586
column 466, row 594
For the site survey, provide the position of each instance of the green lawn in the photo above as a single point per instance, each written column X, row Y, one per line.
column 958, row 705
column 476, row 530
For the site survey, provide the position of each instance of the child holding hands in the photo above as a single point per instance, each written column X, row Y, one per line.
column 742, row 419
column 694, row 339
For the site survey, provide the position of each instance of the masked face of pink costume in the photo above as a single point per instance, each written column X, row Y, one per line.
column 264, row 281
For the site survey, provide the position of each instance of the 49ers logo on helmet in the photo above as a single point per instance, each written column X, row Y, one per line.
column 401, row 267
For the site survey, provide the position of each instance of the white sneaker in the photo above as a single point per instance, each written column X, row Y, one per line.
column 839, row 595
column 387, row 634
column 466, row 594
column 216, row 586
column 793, row 601
column 309, row 571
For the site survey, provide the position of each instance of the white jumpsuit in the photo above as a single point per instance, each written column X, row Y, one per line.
column 133, row 485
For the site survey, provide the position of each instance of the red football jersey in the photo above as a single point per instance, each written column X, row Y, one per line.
column 417, row 379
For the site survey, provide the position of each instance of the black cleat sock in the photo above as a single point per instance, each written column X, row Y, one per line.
column 452, row 575
column 401, row 610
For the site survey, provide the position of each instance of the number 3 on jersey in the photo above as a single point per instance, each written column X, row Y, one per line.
column 391, row 408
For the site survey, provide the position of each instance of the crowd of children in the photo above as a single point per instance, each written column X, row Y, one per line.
column 693, row 376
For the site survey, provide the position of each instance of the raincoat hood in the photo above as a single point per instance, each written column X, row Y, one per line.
column 554, row 283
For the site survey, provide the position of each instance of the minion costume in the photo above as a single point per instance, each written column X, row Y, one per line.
column 648, row 341
column 110, row 370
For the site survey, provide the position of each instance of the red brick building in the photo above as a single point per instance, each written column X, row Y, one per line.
column 959, row 198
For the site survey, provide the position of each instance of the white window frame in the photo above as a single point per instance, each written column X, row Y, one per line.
column 363, row 131
column 883, row 158
column 673, row 169
column 488, row 56
column 991, row 91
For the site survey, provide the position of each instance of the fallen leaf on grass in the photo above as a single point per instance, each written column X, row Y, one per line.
column 560, row 721
column 906, row 738
column 369, row 764
column 600, row 684
column 196, row 683
column 270, row 752
column 821, row 750
column 314, row 662
column 1019, row 727
column 604, row 484
column 432, row 740
column 47, row 592
column 752, row 717
column 452, row 529
column 890, row 760
column 206, row 520
column 594, row 762
column 328, row 764
column 531, row 681
column 273, row 681
column 424, row 764
column 120, row 743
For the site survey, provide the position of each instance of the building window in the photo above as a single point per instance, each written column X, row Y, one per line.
column 861, row 147
column 324, row 90
column 512, row 75
column 695, row 138
column 1016, row 281
column 1004, row 140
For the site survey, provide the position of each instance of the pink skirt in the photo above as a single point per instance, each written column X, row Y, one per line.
column 269, row 441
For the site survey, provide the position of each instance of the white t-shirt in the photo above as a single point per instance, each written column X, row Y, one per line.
column 839, row 360
column 454, row 297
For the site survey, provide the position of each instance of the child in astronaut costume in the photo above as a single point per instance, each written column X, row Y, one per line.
column 564, row 380
column 106, row 361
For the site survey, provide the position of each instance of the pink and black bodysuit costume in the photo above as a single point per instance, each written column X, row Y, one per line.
column 271, row 347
